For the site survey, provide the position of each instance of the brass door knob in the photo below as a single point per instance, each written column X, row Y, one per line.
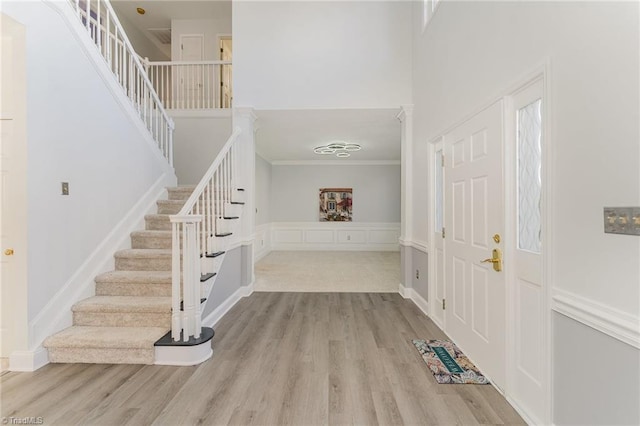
column 8, row 252
column 495, row 259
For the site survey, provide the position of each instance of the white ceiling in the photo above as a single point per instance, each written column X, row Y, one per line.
column 291, row 135
column 160, row 12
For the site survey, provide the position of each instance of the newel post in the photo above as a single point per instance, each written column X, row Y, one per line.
column 185, row 277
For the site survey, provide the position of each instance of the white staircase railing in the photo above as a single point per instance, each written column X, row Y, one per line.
column 200, row 231
column 192, row 85
column 104, row 28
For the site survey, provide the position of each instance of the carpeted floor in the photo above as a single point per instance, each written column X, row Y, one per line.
column 329, row 271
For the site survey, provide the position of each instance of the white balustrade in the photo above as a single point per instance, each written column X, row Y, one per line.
column 192, row 85
column 104, row 28
column 198, row 234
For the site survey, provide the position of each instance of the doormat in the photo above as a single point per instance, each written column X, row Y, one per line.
column 447, row 362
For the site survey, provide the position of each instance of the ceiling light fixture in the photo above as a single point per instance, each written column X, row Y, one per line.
column 141, row 11
column 340, row 149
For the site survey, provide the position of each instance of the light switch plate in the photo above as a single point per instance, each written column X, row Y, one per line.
column 622, row 220
column 65, row 188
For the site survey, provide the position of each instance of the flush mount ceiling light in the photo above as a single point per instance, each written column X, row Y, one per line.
column 340, row 149
column 141, row 11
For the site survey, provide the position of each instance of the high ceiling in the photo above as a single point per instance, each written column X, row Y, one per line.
column 160, row 12
column 291, row 135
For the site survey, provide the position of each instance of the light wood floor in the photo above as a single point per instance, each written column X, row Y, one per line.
column 279, row 358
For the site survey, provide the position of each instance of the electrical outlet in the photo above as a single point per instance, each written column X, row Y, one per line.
column 65, row 188
column 417, row 274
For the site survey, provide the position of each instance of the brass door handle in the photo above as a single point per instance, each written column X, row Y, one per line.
column 8, row 252
column 496, row 260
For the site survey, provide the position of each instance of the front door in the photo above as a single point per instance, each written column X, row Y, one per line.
column 475, row 313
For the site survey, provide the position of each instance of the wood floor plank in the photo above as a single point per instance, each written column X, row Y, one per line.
column 279, row 358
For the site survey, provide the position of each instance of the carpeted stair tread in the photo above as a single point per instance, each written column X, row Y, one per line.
column 135, row 277
column 106, row 337
column 156, row 233
column 144, row 253
column 146, row 304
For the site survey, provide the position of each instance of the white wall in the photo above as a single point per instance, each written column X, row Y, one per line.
column 77, row 132
column 470, row 53
column 197, row 140
column 322, row 54
column 376, row 191
column 210, row 28
column 593, row 127
column 263, row 191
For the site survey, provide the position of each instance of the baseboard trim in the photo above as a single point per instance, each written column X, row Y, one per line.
column 212, row 319
column 56, row 315
column 415, row 297
column 606, row 319
column 28, row 360
column 183, row 355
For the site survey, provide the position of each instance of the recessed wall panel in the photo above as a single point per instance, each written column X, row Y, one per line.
column 479, row 209
column 529, row 323
column 480, row 301
column 458, row 211
column 459, row 288
column 479, row 145
column 439, row 274
column 288, row 235
column 458, row 153
column 319, row 236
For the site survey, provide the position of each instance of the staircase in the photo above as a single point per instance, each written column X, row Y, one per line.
column 132, row 306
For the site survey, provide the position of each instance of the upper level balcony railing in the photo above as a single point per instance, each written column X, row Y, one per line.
column 192, row 85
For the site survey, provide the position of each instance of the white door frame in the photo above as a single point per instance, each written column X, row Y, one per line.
column 15, row 333
column 539, row 72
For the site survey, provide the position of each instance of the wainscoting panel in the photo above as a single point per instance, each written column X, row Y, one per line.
column 321, row 236
column 334, row 236
column 352, row 236
column 289, row 236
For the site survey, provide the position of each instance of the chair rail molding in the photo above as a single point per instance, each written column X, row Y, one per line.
column 606, row 319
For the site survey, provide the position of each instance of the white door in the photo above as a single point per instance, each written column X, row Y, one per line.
column 529, row 350
column 191, row 75
column 437, row 293
column 226, row 53
column 13, row 188
column 475, row 311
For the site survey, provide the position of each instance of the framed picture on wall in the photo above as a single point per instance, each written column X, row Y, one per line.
column 336, row 204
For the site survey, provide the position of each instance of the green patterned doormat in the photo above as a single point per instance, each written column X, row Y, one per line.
column 447, row 362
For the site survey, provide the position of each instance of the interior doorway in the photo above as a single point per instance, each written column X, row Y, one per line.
column 226, row 71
